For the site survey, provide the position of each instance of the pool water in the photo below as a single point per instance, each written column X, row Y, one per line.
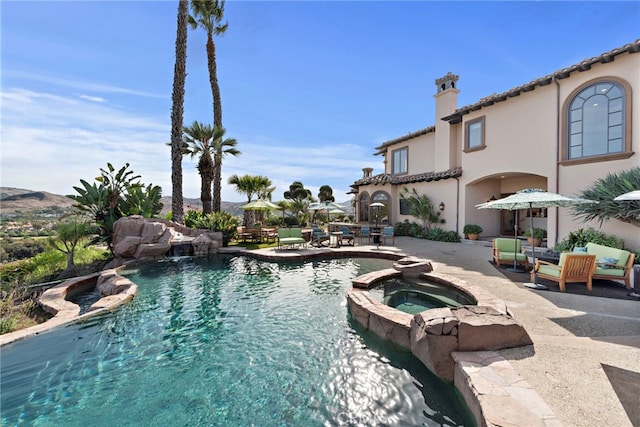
column 416, row 295
column 225, row 341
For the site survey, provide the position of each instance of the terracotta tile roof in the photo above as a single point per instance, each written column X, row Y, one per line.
column 385, row 178
column 564, row 73
column 383, row 147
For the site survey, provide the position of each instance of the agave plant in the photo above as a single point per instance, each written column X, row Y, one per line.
column 116, row 194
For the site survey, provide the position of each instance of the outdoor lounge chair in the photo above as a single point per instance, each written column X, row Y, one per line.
column 347, row 237
column 572, row 268
column 504, row 251
column 365, row 231
column 387, row 233
column 318, row 237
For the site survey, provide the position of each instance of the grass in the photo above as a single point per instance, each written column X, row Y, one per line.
column 18, row 305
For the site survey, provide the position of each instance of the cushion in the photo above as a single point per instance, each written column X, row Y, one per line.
column 506, row 245
column 580, row 249
column 549, row 270
column 607, row 259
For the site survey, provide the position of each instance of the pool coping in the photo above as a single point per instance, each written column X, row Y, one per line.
column 54, row 301
column 492, row 389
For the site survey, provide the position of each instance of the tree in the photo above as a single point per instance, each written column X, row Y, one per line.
column 177, row 111
column 298, row 196
column 325, row 194
column 221, row 148
column 604, row 191
column 203, row 140
column 251, row 185
column 208, row 15
column 421, row 207
column 68, row 235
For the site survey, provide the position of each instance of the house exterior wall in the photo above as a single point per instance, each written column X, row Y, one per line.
column 523, row 137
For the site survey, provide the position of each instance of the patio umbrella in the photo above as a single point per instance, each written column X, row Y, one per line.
column 530, row 198
column 631, row 195
column 258, row 205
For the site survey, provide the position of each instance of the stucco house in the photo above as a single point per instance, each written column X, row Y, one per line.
column 560, row 133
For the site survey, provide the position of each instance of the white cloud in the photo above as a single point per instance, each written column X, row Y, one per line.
column 51, row 141
column 92, row 98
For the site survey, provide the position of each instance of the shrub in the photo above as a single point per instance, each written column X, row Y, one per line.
column 223, row 222
column 538, row 233
column 472, row 229
column 581, row 237
column 440, row 235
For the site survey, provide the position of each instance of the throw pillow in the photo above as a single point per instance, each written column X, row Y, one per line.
column 580, row 249
column 607, row 259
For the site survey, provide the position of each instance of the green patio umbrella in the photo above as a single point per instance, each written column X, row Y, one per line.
column 530, row 198
column 258, row 205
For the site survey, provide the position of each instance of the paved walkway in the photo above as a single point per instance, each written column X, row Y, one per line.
column 585, row 361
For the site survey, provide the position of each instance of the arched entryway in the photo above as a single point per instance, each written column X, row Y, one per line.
column 498, row 186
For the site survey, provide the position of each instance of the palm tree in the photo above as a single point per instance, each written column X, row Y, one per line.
column 208, row 15
column 203, row 140
column 177, row 111
column 251, row 185
column 221, row 148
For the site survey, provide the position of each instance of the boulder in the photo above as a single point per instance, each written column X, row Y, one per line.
column 110, row 283
column 436, row 333
column 127, row 247
column 485, row 328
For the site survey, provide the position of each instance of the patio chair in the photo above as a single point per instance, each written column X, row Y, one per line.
column 365, row 231
column 387, row 233
column 318, row 237
column 347, row 237
column 504, row 251
column 572, row 268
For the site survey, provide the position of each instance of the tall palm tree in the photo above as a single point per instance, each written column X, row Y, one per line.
column 203, row 140
column 251, row 185
column 208, row 15
column 221, row 148
column 177, row 111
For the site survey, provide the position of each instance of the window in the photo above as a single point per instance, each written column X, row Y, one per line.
column 596, row 123
column 474, row 134
column 399, row 159
column 380, row 215
column 363, row 208
column 405, row 207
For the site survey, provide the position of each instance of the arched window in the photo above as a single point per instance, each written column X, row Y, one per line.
column 382, row 215
column 597, row 122
column 363, row 208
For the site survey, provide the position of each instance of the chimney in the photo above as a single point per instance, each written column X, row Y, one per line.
column 446, row 103
column 367, row 172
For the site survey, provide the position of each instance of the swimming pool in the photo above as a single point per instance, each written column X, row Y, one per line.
column 225, row 340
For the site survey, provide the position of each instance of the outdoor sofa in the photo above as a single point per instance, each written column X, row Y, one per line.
column 611, row 263
column 290, row 237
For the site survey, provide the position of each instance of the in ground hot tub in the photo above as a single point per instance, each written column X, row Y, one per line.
column 414, row 296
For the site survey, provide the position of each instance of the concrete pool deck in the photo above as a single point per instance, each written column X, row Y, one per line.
column 585, row 348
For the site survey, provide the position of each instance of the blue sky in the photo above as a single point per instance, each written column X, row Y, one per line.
column 308, row 88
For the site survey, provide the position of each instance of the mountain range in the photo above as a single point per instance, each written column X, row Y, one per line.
column 18, row 199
